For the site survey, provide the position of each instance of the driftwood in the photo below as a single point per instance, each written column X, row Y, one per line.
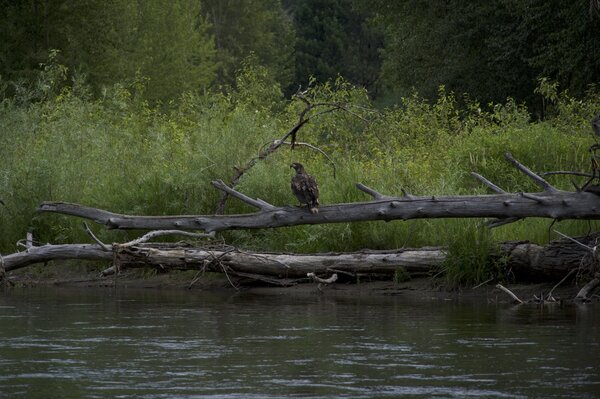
column 272, row 268
column 525, row 261
column 505, row 207
column 515, row 298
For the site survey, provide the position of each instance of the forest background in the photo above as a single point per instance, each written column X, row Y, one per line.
column 135, row 106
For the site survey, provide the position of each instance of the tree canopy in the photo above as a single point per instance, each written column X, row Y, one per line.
column 490, row 50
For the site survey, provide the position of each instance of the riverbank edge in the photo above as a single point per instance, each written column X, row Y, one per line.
column 422, row 288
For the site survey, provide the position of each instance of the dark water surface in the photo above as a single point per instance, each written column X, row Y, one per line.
column 102, row 343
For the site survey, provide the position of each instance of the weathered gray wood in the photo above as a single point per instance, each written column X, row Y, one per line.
column 46, row 253
column 288, row 265
column 556, row 205
column 534, row 262
column 527, row 261
column 270, row 264
column 506, row 207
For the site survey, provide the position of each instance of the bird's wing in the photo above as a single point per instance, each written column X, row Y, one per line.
column 312, row 188
column 305, row 188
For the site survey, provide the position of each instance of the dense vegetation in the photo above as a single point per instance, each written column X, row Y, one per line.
column 137, row 106
column 489, row 49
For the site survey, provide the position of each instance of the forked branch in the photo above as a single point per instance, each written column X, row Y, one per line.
column 305, row 116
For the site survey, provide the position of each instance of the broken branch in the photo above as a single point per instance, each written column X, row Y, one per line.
column 509, row 292
column 536, row 178
column 257, row 203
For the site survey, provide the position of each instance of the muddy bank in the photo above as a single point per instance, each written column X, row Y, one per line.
column 424, row 288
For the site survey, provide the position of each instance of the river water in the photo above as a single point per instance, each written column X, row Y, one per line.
column 106, row 343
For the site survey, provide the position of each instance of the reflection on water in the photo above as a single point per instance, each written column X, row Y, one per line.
column 57, row 343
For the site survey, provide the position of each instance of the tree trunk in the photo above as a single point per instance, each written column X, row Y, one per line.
column 527, row 261
column 505, row 207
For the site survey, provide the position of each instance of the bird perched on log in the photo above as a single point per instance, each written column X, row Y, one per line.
column 305, row 188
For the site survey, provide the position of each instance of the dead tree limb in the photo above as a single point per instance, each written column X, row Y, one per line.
column 510, row 293
column 304, row 117
column 238, row 263
column 559, row 205
column 505, row 207
column 528, row 262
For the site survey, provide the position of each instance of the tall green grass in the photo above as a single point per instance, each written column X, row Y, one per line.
column 119, row 153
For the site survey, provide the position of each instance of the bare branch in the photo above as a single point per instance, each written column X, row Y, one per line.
column 28, row 242
column 560, row 205
column 406, row 194
column 257, row 203
column 509, row 292
column 375, row 194
column 91, row 234
column 584, row 292
column 488, row 183
column 303, row 118
column 317, row 279
column 266, row 279
column 566, row 172
column 582, row 245
column 299, row 143
column 549, row 296
column 484, row 283
column 536, row 178
column 158, row 233
column 533, row 197
column 501, row 222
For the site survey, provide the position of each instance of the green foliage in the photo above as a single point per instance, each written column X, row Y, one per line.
column 172, row 48
column 121, row 153
column 245, row 27
column 111, row 41
column 335, row 38
column 489, row 49
column 470, row 255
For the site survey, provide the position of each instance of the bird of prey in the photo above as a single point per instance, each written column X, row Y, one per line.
column 305, row 188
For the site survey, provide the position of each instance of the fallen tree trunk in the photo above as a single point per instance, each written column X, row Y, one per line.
column 271, row 264
column 526, row 261
column 506, row 207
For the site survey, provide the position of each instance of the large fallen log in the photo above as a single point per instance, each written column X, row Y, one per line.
column 505, row 207
column 526, row 261
column 275, row 268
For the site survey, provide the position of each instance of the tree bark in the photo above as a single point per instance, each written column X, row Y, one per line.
column 526, row 261
column 276, row 268
column 560, row 205
column 505, row 207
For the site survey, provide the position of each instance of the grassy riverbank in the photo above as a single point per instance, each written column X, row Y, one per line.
column 120, row 153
